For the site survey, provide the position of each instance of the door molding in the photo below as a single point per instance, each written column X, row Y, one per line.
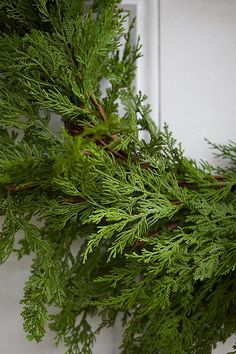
column 147, row 13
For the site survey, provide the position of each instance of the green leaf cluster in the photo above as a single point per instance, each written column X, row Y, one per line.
column 115, row 224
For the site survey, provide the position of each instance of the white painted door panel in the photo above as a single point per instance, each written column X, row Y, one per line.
column 198, row 77
column 198, row 72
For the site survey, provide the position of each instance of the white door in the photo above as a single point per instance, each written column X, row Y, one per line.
column 189, row 73
column 196, row 64
column 198, row 72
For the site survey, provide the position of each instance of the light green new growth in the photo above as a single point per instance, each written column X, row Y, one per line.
column 115, row 224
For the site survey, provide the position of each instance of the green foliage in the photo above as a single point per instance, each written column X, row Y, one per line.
column 115, row 224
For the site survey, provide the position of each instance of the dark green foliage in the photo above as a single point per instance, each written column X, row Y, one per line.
column 115, row 224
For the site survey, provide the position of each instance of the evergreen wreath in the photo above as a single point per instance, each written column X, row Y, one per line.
column 117, row 225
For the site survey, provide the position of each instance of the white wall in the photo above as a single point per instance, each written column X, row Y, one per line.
column 198, row 72
column 198, row 77
column 13, row 275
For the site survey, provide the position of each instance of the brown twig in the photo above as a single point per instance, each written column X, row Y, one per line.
column 118, row 154
column 219, row 178
column 175, row 202
column 183, row 184
column 99, row 108
column 144, row 165
column 14, row 188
